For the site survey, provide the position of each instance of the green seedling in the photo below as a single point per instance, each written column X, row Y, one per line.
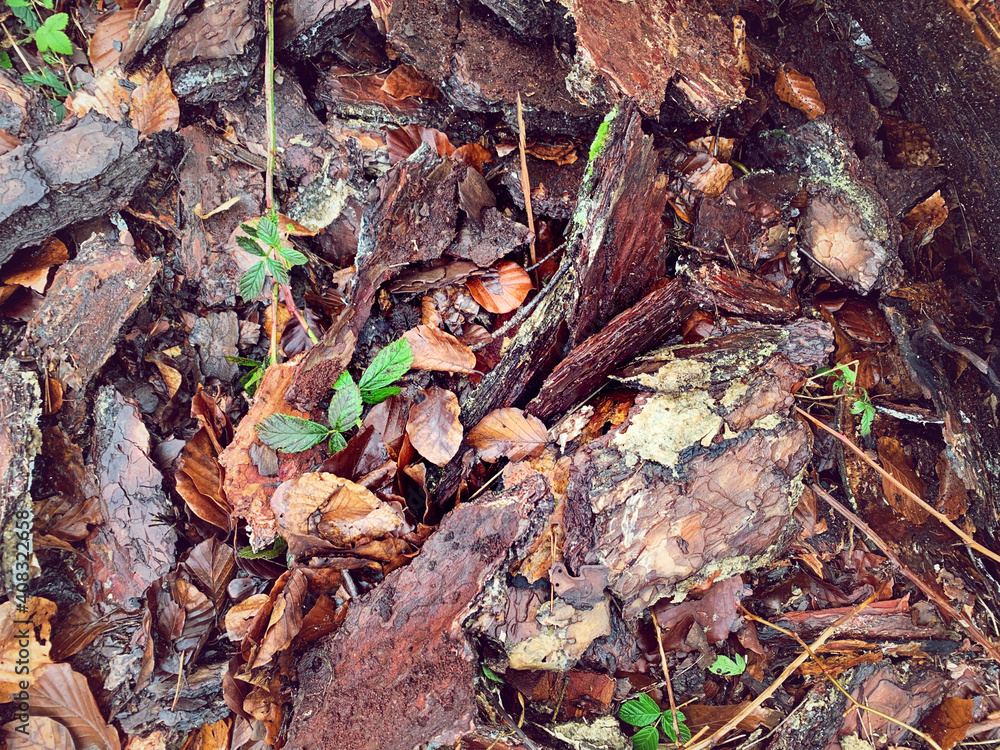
column 727, row 667
column 642, row 711
column 273, row 552
column 265, row 241
column 251, row 380
column 846, row 384
column 293, row 434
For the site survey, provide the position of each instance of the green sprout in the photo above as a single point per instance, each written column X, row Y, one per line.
column 642, row 711
column 846, row 384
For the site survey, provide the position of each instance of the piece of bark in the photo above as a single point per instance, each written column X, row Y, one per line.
column 487, row 241
column 302, row 28
column 133, row 547
column 742, row 293
column 83, row 169
column 635, row 49
column 400, row 671
column 948, row 78
column 554, row 187
column 412, row 219
column 20, row 441
column 614, row 253
column 76, row 329
column 216, row 336
column 643, row 325
column 703, row 474
column 481, row 65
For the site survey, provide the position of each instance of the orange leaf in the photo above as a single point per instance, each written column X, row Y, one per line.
column 920, row 223
column 502, row 289
column 31, row 649
column 401, row 143
column 30, row 268
column 799, row 91
column 433, row 349
column 562, row 153
column 900, row 466
column 405, row 80
column 508, row 432
column 473, row 155
column 154, row 106
column 949, row 723
column 433, row 427
column 104, row 95
column 104, row 51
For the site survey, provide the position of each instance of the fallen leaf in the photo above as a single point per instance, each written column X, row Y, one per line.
column 43, row 734
column 403, row 142
column 198, row 211
column 286, row 619
column 895, row 461
column 30, row 268
column 799, row 91
column 474, row 195
column 64, row 695
column 949, row 722
column 508, row 433
column 405, row 80
column 109, row 38
column 923, row 219
column 104, row 95
column 212, row 564
column 434, row 349
column 433, row 427
column 154, row 106
column 240, row 616
column 473, row 155
column 502, row 289
column 17, row 628
column 8, row 142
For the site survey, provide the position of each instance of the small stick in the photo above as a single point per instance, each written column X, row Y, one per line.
column 905, row 490
column 294, row 310
column 666, row 677
column 934, row 596
column 525, row 181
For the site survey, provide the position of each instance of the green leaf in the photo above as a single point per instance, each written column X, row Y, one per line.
column 290, row 434
column 50, row 35
column 251, row 380
column 646, row 739
column 251, row 230
column 379, row 394
column 344, row 379
column 489, row 674
column 389, row 365
column 279, row 548
column 5, row 60
column 251, row 246
column 867, row 419
column 252, row 282
column 639, row 711
column 18, row 4
column 337, row 442
column 293, row 256
column 345, row 408
column 667, row 724
column 57, row 109
column 267, row 231
column 48, row 4
column 278, row 271
column 44, row 77
column 25, row 15
column 723, row 665
column 245, row 362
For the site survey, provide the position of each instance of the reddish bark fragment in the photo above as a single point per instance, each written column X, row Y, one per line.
column 401, row 654
column 743, row 293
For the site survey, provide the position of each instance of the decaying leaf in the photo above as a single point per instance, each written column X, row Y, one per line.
column 109, row 38
column 31, row 268
column 508, row 433
column 434, row 349
column 241, row 615
column 502, row 289
column 949, row 722
column 433, row 427
column 43, row 733
column 799, row 91
column 154, row 106
column 405, row 141
column 895, row 461
column 64, row 695
column 16, row 628
column 923, row 219
column 405, row 80
column 286, row 619
column 473, row 155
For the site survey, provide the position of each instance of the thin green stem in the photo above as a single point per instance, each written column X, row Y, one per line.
column 274, row 324
column 269, row 103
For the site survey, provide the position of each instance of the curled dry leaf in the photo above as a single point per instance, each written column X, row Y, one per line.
column 433, row 427
column 286, row 619
column 900, row 466
column 502, row 289
column 508, row 433
column 473, row 155
column 799, row 91
column 104, row 95
column 43, row 733
column 64, row 695
column 154, row 106
column 434, row 349
column 31, row 267
column 241, row 615
column 405, row 80
column 104, row 51
column 920, row 223
column 403, row 142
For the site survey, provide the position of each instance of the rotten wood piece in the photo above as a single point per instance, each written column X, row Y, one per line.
column 742, row 293
column 947, row 68
column 702, row 475
column 84, row 168
column 76, row 329
column 303, row 28
column 20, row 441
column 402, row 656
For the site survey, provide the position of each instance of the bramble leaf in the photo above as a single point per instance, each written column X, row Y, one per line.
column 267, row 231
column 278, row 271
column 251, row 246
column 293, row 256
column 380, row 394
column 343, row 380
column 667, row 724
column 252, row 282
column 251, row 230
column 5, row 60
column 290, row 434
column 277, row 549
column 646, row 739
column 489, row 674
column 639, row 711
column 50, row 35
column 389, row 365
column 46, row 78
column 337, row 442
column 345, row 408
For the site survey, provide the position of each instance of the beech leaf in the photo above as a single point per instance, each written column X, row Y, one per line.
column 434, row 349
column 799, row 91
column 43, row 734
column 154, row 106
column 508, row 433
column 62, row 694
column 502, row 289
column 433, row 427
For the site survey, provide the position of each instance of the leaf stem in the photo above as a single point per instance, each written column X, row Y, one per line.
column 269, row 105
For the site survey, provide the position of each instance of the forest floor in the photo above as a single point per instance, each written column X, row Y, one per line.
column 592, row 376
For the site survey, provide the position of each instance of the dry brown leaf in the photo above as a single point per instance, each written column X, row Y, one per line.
column 42, row 733
column 104, row 95
column 64, row 695
column 923, row 219
column 949, row 722
column 720, row 148
column 199, row 481
column 17, row 670
column 401, row 143
column 473, row 155
column 31, row 268
column 212, row 564
column 240, row 616
column 109, row 38
column 508, row 433
column 405, row 80
column 433, row 427
column 502, row 289
column 560, row 153
column 8, row 142
column 201, row 214
column 286, row 619
column 154, row 106
column 895, row 461
column 799, row 91
column 153, row 741
column 434, row 349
